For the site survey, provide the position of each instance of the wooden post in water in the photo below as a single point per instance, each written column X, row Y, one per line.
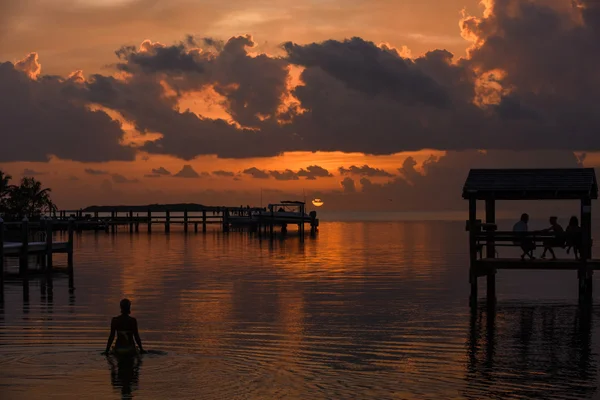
column 96, row 215
column 225, row 219
column 196, row 227
column 48, row 254
column 185, row 221
column 113, row 216
column 23, row 256
column 70, row 247
column 490, row 218
column 585, row 273
column 167, row 221
column 1, row 257
column 130, row 221
column 203, row 220
column 472, row 249
column 149, row 221
column 271, row 223
column 41, row 258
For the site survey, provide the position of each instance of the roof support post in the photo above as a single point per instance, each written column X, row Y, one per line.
column 472, row 250
column 490, row 218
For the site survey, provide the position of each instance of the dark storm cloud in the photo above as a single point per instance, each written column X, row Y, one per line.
column 161, row 171
column 371, row 70
column 256, row 173
column 530, row 82
column 365, row 170
column 286, row 175
column 91, row 171
column 118, row 178
column 187, row 172
column 348, row 185
column 40, row 118
column 252, row 85
column 31, row 172
column 221, row 173
column 313, row 172
column 160, row 58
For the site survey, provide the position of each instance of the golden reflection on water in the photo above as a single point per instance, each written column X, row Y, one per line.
column 363, row 310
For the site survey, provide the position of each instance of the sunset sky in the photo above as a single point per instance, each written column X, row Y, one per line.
column 370, row 105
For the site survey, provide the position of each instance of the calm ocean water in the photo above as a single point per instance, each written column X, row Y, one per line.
column 366, row 310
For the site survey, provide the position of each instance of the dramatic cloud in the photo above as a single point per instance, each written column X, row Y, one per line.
column 256, row 173
column 365, row 170
column 91, row 171
column 40, row 117
column 160, row 171
column 226, row 174
column 187, row 172
column 529, row 82
column 287, row 175
column 31, row 172
column 118, row 178
column 313, row 172
column 371, row 70
column 348, row 185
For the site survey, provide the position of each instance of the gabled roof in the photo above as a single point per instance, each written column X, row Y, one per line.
column 531, row 184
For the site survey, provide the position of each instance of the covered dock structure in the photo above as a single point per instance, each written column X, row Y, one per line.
column 492, row 185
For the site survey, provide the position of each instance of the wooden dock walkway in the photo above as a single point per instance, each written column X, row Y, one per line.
column 27, row 246
column 189, row 216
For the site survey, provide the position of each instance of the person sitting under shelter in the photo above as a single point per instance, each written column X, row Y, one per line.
column 526, row 244
column 557, row 241
column 573, row 237
column 127, row 330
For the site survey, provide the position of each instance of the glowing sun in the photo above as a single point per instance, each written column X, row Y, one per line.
column 317, row 202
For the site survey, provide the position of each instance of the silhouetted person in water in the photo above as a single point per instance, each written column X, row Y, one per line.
column 127, row 330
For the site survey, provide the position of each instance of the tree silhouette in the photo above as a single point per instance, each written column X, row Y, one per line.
column 29, row 199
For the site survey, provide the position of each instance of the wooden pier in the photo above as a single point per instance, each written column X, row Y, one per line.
column 23, row 239
column 191, row 216
column 490, row 185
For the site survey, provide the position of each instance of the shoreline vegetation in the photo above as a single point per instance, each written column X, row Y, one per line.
column 27, row 199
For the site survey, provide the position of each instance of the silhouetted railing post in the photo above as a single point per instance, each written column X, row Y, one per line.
column 225, row 219
column 1, row 256
column 49, row 244
column 185, row 221
column 70, row 246
column 203, row 220
column 167, row 221
column 149, row 221
column 23, row 256
column 130, row 221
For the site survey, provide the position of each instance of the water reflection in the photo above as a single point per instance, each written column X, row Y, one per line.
column 525, row 351
column 124, row 374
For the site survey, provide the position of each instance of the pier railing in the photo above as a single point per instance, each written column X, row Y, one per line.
column 22, row 239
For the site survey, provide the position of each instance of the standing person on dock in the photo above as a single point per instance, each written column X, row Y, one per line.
column 127, row 330
column 527, row 245
column 573, row 236
column 557, row 241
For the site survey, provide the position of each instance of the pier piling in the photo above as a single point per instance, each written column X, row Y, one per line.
column 70, row 246
column 24, row 254
column 48, row 255
column 1, row 257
